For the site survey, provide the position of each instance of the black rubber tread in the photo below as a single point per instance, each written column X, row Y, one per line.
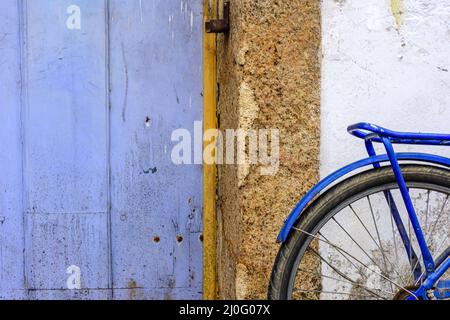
column 352, row 186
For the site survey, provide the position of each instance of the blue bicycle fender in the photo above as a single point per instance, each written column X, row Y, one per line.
column 322, row 185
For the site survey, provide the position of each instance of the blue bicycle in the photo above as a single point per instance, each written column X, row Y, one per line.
column 382, row 233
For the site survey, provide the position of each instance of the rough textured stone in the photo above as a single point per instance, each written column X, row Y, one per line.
column 269, row 77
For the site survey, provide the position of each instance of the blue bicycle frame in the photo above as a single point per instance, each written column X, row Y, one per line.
column 374, row 134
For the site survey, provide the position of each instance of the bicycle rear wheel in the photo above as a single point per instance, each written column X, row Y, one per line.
column 347, row 245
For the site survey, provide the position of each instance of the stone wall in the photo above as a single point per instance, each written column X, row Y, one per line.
column 269, row 78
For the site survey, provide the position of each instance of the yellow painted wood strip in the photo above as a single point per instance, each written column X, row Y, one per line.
column 209, row 171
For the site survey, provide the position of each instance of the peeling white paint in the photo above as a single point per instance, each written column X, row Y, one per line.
column 373, row 72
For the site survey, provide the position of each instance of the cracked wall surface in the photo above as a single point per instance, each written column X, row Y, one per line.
column 269, row 78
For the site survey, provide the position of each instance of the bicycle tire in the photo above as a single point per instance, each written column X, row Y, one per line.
column 288, row 255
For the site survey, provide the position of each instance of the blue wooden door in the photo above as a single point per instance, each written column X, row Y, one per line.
column 91, row 205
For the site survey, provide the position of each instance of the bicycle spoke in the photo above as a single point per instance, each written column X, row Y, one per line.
column 343, row 274
column 357, row 244
column 364, row 226
column 437, row 250
column 426, row 214
column 378, row 235
column 410, row 245
column 428, row 239
column 342, row 251
column 438, row 217
column 411, row 276
column 334, row 292
column 345, row 257
column 393, row 233
column 317, row 274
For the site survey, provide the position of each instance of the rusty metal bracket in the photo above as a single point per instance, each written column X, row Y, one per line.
column 220, row 25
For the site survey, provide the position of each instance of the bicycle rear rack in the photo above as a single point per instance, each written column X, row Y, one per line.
column 374, row 133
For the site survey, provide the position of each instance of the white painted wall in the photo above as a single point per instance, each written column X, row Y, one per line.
column 374, row 70
column 389, row 69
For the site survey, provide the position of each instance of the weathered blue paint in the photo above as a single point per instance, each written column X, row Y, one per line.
column 87, row 120
column 11, row 217
column 157, row 45
column 65, row 146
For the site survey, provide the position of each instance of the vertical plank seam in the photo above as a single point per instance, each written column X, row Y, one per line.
column 108, row 146
column 209, row 171
column 23, row 35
